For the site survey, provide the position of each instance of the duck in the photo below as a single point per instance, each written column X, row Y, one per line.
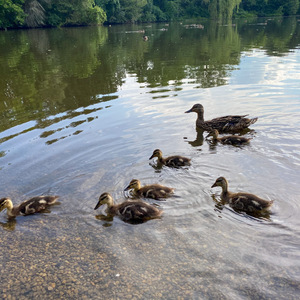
column 131, row 211
column 229, row 139
column 171, row 161
column 31, row 206
column 222, row 124
column 153, row 191
column 241, row 201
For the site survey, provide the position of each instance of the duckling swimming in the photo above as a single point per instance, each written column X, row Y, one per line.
column 222, row 124
column 246, row 202
column 134, row 211
column 171, row 161
column 28, row 207
column 154, row 191
column 229, row 139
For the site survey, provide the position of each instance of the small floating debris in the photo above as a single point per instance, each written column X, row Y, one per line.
column 135, row 31
column 199, row 26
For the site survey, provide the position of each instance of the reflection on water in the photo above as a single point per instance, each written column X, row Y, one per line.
column 82, row 110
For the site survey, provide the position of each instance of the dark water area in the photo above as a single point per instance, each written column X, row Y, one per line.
column 81, row 111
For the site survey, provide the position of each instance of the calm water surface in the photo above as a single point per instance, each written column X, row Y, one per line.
column 83, row 109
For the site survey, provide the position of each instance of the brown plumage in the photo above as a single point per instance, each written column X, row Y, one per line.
column 134, row 211
column 242, row 201
column 171, row 161
column 222, row 124
column 28, row 207
column 229, row 139
column 153, row 191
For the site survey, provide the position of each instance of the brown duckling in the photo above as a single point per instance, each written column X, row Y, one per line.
column 134, row 211
column 154, row 191
column 222, row 124
column 171, row 161
column 246, row 202
column 229, row 139
column 28, row 207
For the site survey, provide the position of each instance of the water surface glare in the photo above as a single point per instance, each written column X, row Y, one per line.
column 82, row 110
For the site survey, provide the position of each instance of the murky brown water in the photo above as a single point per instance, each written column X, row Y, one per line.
column 82, row 111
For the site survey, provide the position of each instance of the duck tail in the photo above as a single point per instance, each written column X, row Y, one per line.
column 51, row 199
column 252, row 121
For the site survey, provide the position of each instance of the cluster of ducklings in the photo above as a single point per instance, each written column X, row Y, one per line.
column 138, row 211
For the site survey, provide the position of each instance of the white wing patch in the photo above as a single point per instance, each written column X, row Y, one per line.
column 255, row 203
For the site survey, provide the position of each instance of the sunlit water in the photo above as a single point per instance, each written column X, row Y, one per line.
column 82, row 111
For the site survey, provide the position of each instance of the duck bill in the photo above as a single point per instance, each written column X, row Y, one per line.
column 189, row 111
column 214, row 185
column 126, row 189
column 151, row 157
column 98, row 205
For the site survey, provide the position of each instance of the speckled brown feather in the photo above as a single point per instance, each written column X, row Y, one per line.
column 174, row 161
column 246, row 202
column 134, row 211
column 30, row 206
column 154, row 191
column 228, row 123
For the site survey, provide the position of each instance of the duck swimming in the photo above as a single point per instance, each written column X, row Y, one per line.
column 133, row 211
column 222, row 124
column 153, row 191
column 229, row 139
column 28, row 207
column 171, row 161
column 246, row 202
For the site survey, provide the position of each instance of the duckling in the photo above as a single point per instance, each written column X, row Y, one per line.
column 246, row 202
column 28, row 207
column 134, row 211
column 229, row 139
column 154, row 191
column 171, row 161
column 222, row 124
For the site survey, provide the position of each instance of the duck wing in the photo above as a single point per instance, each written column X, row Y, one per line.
column 36, row 204
column 249, row 202
column 234, row 140
column 137, row 211
column 231, row 123
column 155, row 191
column 177, row 161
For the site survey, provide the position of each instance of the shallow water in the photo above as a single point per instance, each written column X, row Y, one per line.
column 82, row 111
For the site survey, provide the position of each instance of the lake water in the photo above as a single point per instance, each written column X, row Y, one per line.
column 82, row 110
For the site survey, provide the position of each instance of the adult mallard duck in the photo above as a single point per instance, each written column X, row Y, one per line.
column 28, row 207
column 153, row 191
column 242, row 201
column 171, row 161
column 229, row 139
column 134, row 211
column 222, row 124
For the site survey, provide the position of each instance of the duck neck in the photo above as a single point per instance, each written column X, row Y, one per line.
column 10, row 209
column 224, row 190
column 161, row 160
column 200, row 114
column 110, row 206
column 110, row 202
column 137, row 187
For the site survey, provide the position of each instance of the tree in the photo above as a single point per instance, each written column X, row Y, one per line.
column 11, row 13
column 35, row 12
column 290, row 7
column 74, row 12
